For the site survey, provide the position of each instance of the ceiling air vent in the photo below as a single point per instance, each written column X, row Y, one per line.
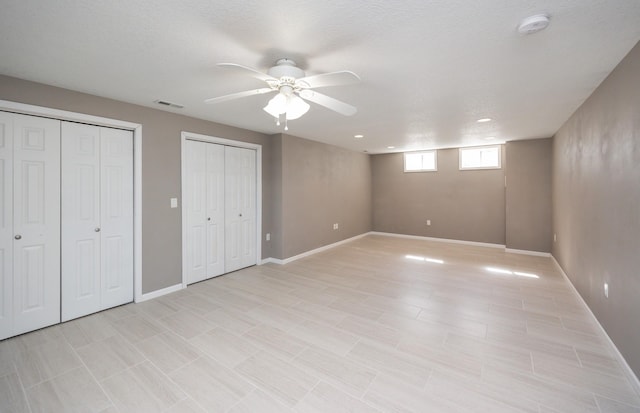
column 166, row 103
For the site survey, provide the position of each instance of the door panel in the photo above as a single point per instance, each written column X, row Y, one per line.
column 204, row 210
column 36, row 222
column 232, row 209
column 85, row 252
column 6, row 225
column 97, row 218
column 116, row 216
column 240, row 208
column 80, row 218
column 196, row 210
column 215, row 210
column 248, row 190
column 32, row 262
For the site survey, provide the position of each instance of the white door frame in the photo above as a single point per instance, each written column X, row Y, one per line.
column 136, row 128
column 227, row 142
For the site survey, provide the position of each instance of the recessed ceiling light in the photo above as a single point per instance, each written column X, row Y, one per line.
column 533, row 24
column 490, row 138
column 391, row 147
column 358, row 136
column 483, row 120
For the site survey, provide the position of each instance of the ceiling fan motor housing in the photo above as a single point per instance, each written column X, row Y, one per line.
column 286, row 68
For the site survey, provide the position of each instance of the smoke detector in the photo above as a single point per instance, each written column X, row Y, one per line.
column 533, row 24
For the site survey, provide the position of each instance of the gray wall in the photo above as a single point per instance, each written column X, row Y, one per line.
column 274, row 247
column 596, row 203
column 161, row 225
column 321, row 185
column 462, row 205
column 528, row 195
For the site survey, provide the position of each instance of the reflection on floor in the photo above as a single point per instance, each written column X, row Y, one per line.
column 380, row 324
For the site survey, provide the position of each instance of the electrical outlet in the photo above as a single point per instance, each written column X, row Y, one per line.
column 174, row 202
column 336, row 226
column 428, row 222
column 554, row 238
column 606, row 290
column 268, row 236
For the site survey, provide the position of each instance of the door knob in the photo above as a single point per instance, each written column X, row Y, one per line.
column 18, row 236
column 240, row 215
column 97, row 229
column 209, row 219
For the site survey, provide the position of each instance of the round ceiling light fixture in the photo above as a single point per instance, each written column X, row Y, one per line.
column 533, row 24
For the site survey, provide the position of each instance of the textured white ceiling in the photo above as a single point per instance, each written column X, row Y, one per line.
column 429, row 69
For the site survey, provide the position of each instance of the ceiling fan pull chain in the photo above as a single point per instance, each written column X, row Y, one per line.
column 286, row 126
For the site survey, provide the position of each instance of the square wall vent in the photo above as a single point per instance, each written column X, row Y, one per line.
column 167, row 103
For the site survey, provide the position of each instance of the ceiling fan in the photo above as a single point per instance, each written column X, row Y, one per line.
column 293, row 88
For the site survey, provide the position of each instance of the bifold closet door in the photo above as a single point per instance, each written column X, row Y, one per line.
column 240, row 208
column 97, row 219
column 30, row 223
column 204, row 206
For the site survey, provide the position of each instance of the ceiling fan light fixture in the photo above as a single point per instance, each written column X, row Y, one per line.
column 296, row 107
column 291, row 106
column 276, row 106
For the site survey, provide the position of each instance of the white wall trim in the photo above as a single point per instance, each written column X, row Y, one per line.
column 184, row 136
column 633, row 379
column 451, row 241
column 160, row 292
column 314, row 251
column 136, row 128
column 65, row 115
column 527, row 252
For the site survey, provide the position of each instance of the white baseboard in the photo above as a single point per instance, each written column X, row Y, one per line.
column 311, row 252
column 391, row 234
column 451, row 241
column 160, row 293
column 527, row 252
column 633, row 379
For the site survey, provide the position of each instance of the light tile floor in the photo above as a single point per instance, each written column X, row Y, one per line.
column 380, row 324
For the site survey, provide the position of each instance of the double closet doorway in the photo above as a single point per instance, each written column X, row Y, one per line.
column 67, row 243
column 221, row 199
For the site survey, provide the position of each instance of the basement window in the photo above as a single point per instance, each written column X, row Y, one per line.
column 424, row 161
column 482, row 157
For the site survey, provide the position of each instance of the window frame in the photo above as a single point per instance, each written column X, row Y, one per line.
column 431, row 151
column 498, row 148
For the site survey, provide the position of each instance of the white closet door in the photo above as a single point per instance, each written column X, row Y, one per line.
column 204, row 210
column 240, row 208
column 36, row 223
column 116, row 206
column 97, row 219
column 196, row 210
column 80, row 218
column 6, row 225
column 215, row 210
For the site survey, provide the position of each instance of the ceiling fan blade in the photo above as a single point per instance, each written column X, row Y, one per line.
column 328, row 102
column 240, row 95
column 343, row 77
column 255, row 73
